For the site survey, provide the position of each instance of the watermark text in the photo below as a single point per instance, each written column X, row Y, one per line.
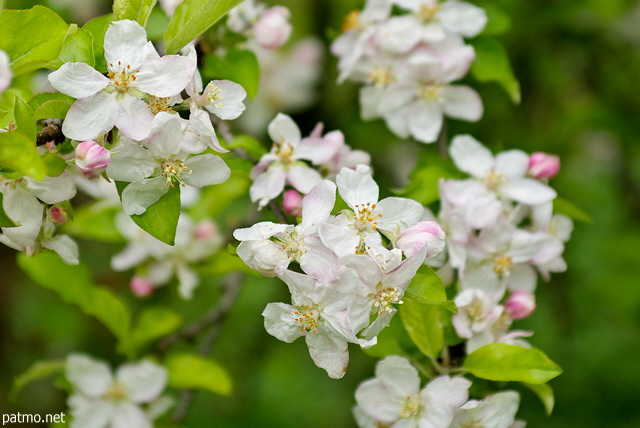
column 24, row 418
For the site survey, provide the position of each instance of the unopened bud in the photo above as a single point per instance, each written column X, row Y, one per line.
column 206, row 231
column 292, row 203
column 58, row 215
column 273, row 28
column 422, row 233
column 140, row 287
column 520, row 304
column 543, row 165
column 92, row 159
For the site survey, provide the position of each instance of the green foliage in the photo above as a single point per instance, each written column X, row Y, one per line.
column 502, row 362
column 192, row 18
column 545, row 394
column 160, row 220
column 98, row 28
column 154, row 323
column 24, row 118
column 249, row 144
column 5, row 221
column 492, row 65
column 77, row 46
column 75, row 286
column 392, row 340
column 38, row 371
column 563, row 206
column 427, row 287
column 423, row 180
column 499, row 21
column 196, row 372
column 224, row 262
column 136, row 10
column 95, row 221
column 54, row 165
column 18, row 152
column 240, row 66
column 32, row 38
column 423, row 322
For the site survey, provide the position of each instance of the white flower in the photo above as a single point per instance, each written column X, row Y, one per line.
column 273, row 28
column 394, row 397
column 117, row 100
column 495, row 411
column 5, row 71
column 101, row 400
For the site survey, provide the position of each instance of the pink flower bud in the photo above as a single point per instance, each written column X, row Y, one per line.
column 58, row 215
column 273, row 28
column 206, row 231
column 141, row 287
column 92, row 158
column 543, row 165
column 292, row 203
column 520, row 304
column 422, row 233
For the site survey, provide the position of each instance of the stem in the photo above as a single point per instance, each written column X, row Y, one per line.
column 442, row 140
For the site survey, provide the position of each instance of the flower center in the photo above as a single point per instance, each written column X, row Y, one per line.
column 428, row 11
column 173, row 170
column 307, row 318
column 495, row 179
column 351, row 21
column 214, row 96
column 431, row 92
column 385, row 298
column 158, row 104
column 293, row 244
column 502, row 266
column 123, row 78
column 475, row 310
column 365, row 216
column 411, row 406
column 380, row 76
column 284, row 150
column 115, row 392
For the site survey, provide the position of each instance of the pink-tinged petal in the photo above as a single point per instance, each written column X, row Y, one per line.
column 263, row 256
column 462, row 102
column 273, row 28
column 320, row 149
column 368, row 271
column 528, row 191
column 89, row 116
column 142, row 381
column 341, row 240
column 124, row 42
column 329, row 352
column 279, row 321
column 25, row 210
column 317, row 206
column 318, row 261
column 543, row 165
column 283, row 128
column 78, row 80
column 379, row 401
column 427, row 233
column 268, row 185
column 206, row 170
column 512, row 163
column 52, row 190
column 462, row 18
column 425, row 121
column 357, row 187
column 398, row 214
column 131, row 163
column 470, row 156
column 91, row 377
column 139, row 196
column 303, row 178
column 134, row 118
column 292, row 203
column 166, row 76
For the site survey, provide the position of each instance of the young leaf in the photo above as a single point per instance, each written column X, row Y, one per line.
column 77, row 46
column 38, row 371
column 54, row 109
column 32, row 38
column 545, row 394
column 154, row 323
column 563, row 206
column 38, row 100
column 426, row 286
column 136, row 10
column 5, row 221
column 25, row 119
column 75, row 286
column 98, row 28
column 492, row 65
column 502, row 362
column 18, row 152
column 192, row 18
column 193, row 371
column 54, row 165
column 160, row 220
column 423, row 322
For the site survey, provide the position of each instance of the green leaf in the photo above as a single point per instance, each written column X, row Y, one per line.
column 75, row 286
column 5, row 221
column 564, row 207
column 18, row 152
column 54, row 165
column 38, row 100
column 423, row 322
column 153, row 324
column 136, row 10
column 249, row 145
column 32, row 38
column 38, row 371
column 392, row 340
column 192, row 18
column 157, row 24
column 502, row 362
column 492, row 65
column 95, row 221
column 98, row 28
column 499, row 21
column 424, row 179
column 54, row 109
column 25, row 119
column 545, row 394
column 77, row 46
column 426, row 286
column 240, row 66
column 195, row 372
column 222, row 263
column 160, row 220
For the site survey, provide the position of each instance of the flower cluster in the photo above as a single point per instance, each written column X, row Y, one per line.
column 408, row 62
column 270, row 27
column 357, row 264
column 394, row 399
column 500, row 230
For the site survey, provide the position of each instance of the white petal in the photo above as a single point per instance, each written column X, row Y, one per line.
column 370, row 102
column 268, row 185
column 318, row 261
column 425, row 121
column 528, row 191
column 357, row 187
column 78, row 80
column 206, row 170
column 134, row 118
column 329, row 352
column 470, row 156
column 232, row 105
column 398, row 214
column 5, row 71
column 52, row 190
column 279, row 322
column 142, row 381
column 341, row 240
column 462, row 18
column 129, row 415
column 263, row 256
column 398, row 375
column 303, row 178
column 166, row 76
column 89, row 412
column 91, row 377
column 89, row 116
column 317, row 206
column 262, row 230
column 65, row 247
column 398, row 120
column 513, row 163
column 283, row 128
column 139, row 196
column 124, row 41
column 131, row 163
column 378, row 401
column 25, row 210
column 200, row 128
column 165, row 135
column 462, row 102
column 447, row 391
column 320, row 150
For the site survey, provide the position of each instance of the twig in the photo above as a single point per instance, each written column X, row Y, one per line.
column 282, row 218
column 442, row 140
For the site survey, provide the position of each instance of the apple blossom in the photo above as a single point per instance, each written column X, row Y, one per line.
column 91, row 158
column 427, row 233
column 5, row 71
column 273, row 28
column 543, row 165
column 520, row 304
column 495, row 411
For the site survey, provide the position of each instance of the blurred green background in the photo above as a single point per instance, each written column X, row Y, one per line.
column 578, row 63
